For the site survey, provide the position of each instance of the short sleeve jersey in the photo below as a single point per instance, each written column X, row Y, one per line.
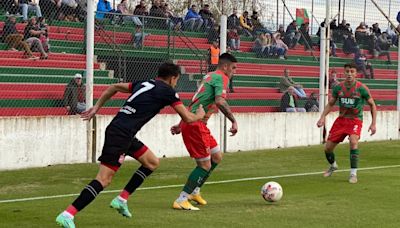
column 146, row 100
column 351, row 99
column 214, row 84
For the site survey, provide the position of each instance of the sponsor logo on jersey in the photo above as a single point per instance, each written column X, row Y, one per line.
column 347, row 101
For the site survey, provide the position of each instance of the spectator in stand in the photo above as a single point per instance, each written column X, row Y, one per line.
column 289, row 101
column 266, row 45
column 176, row 21
column 280, row 47
column 286, row 82
column 360, row 59
column 207, row 17
column 10, row 6
column 312, row 104
column 332, row 44
column 126, row 14
column 33, row 35
column 50, row 8
column 391, row 32
column 338, row 34
column 376, row 30
column 258, row 27
column 139, row 36
column 233, row 40
column 213, row 56
column 141, row 9
column 13, row 39
column 104, row 7
column 192, row 18
column 213, row 34
column 74, row 96
column 350, row 45
column 305, row 38
column 383, row 45
column 281, row 31
column 292, row 35
column 364, row 36
column 257, row 46
column 157, row 11
column 233, row 21
column 245, row 23
column 44, row 38
column 29, row 5
column 70, row 10
column 333, row 81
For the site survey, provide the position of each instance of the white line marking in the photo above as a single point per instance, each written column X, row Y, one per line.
column 210, row 182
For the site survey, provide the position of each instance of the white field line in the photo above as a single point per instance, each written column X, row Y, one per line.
column 210, row 182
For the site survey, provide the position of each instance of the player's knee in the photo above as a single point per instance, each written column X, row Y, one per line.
column 153, row 163
column 105, row 180
column 217, row 157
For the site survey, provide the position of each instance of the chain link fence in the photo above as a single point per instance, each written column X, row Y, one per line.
column 130, row 47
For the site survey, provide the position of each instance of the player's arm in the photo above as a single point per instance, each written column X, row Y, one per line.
column 327, row 110
column 187, row 116
column 105, row 96
column 372, row 105
column 223, row 106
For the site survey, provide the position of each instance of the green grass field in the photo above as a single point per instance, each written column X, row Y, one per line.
column 309, row 199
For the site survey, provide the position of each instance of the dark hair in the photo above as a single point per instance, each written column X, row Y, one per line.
column 350, row 65
column 168, row 69
column 226, row 58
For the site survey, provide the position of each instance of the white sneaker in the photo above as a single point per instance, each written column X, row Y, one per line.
column 330, row 171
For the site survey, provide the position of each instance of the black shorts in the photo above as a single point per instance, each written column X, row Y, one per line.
column 117, row 144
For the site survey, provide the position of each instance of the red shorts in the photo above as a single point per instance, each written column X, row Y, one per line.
column 343, row 127
column 198, row 140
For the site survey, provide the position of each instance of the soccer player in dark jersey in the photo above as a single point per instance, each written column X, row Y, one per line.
column 146, row 100
column 351, row 95
column 198, row 140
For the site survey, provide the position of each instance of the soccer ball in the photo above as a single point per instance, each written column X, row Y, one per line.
column 272, row 191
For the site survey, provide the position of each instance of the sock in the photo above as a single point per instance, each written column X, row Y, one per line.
column 195, row 179
column 353, row 172
column 330, row 156
column 354, row 158
column 70, row 211
column 197, row 189
column 137, row 179
column 87, row 195
column 182, row 197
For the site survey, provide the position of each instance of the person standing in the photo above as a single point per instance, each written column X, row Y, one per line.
column 351, row 95
column 75, row 96
column 213, row 56
column 198, row 140
column 146, row 100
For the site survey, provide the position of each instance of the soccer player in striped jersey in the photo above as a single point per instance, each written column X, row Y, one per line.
column 198, row 140
column 146, row 100
column 351, row 95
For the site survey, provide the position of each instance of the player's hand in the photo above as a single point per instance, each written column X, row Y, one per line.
column 88, row 114
column 175, row 130
column 372, row 129
column 200, row 111
column 321, row 122
column 234, row 129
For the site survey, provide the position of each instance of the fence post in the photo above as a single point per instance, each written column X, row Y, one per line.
column 222, row 44
column 89, row 74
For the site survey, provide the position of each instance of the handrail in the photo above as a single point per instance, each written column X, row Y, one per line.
column 198, row 54
column 115, row 47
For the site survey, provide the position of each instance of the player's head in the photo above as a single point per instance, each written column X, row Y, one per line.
column 170, row 73
column 350, row 71
column 227, row 64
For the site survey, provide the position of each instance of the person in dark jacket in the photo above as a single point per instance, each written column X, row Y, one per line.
column 289, row 102
column 75, row 96
column 312, row 104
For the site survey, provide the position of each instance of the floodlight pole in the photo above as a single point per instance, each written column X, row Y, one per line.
column 89, row 76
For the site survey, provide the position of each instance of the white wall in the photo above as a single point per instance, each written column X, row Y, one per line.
column 41, row 141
